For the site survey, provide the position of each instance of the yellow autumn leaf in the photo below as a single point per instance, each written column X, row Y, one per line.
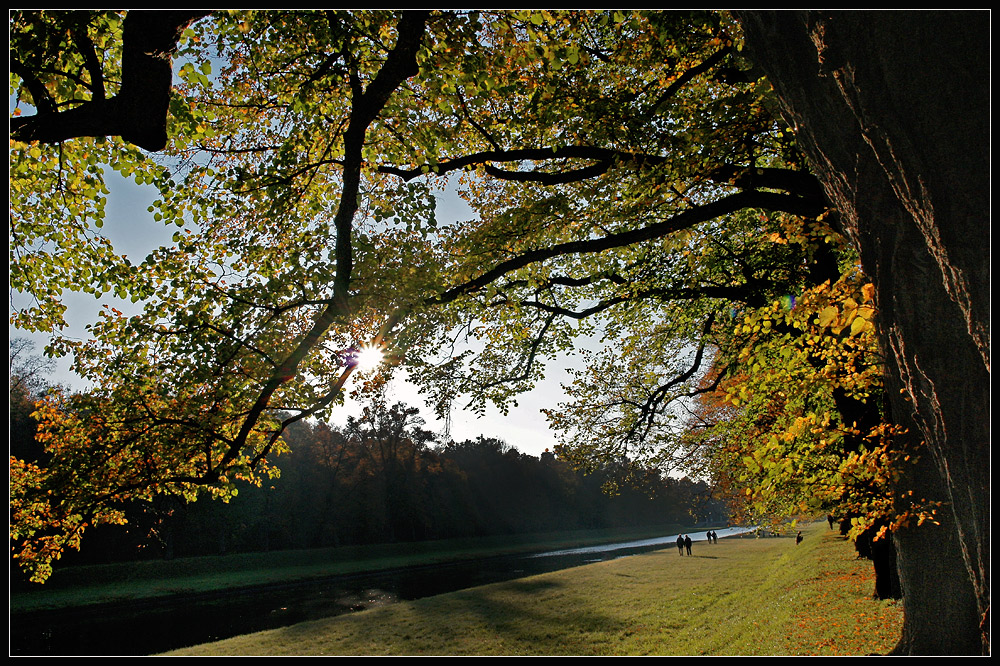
column 860, row 324
column 827, row 315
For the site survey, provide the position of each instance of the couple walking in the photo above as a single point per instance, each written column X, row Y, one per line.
column 683, row 543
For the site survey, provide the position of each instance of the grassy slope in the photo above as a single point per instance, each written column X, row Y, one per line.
column 741, row 597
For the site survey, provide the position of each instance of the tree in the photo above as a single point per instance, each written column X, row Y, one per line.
column 27, row 383
column 912, row 190
column 708, row 179
column 81, row 84
column 222, row 440
column 247, row 321
column 393, row 446
column 624, row 166
column 802, row 428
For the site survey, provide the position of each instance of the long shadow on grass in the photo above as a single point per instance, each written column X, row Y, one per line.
column 534, row 613
column 517, row 617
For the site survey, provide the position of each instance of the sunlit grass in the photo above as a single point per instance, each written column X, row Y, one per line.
column 741, row 597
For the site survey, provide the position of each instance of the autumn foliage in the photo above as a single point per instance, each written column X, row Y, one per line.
column 797, row 424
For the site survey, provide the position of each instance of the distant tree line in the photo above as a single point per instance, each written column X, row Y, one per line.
column 383, row 478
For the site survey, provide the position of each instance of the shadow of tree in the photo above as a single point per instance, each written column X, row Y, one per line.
column 523, row 615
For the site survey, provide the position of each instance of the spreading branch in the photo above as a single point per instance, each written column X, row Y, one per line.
column 683, row 220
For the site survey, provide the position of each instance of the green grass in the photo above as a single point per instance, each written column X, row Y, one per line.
column 744, row 596
column 86, row 585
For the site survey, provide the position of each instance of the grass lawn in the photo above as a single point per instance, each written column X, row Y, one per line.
column 744, row 596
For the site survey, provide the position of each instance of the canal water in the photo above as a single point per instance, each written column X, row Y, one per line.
column 157, row 625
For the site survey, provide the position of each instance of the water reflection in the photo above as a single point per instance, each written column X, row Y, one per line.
column 646, row 543
column 159, row 625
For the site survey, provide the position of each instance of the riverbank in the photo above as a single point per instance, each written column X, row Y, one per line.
column 742, row 596
column 83, row 586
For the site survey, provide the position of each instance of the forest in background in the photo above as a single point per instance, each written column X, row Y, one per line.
column 383, row 478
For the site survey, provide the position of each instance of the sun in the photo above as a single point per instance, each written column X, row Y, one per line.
column 368, row 357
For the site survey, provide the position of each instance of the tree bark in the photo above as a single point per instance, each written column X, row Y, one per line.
column 892, row 110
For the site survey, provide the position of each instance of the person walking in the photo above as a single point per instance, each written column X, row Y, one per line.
column 687, row 543
column 680, row 545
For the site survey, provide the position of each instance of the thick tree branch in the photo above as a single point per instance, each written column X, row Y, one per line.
column 745, row 177
column 138, row 113
column 542, row 178
column 514, row 155
column 684, row 220
column 91, row 62
column 399, row 65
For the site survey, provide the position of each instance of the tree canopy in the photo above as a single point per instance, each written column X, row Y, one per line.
column 631, row 183
column 304, row 151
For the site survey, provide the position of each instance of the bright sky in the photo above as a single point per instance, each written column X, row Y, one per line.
column 134, row 232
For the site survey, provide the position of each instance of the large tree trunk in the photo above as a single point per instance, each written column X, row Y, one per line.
column 892, row 109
